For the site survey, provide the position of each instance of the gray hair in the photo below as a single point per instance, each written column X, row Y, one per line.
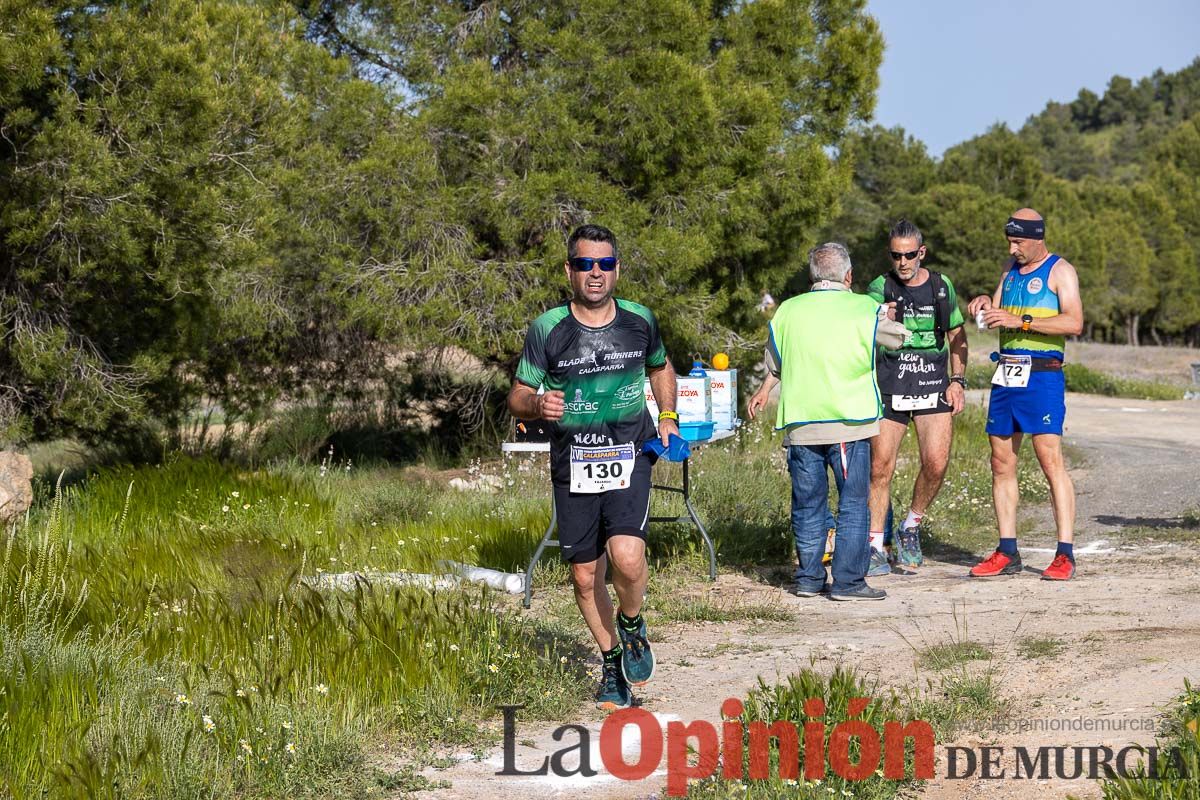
column 829, row 262
column 904, row 229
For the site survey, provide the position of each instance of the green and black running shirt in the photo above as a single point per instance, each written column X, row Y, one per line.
column 919, row 367
column 601, row 373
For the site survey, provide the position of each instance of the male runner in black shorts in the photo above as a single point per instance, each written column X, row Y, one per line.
column 923, row 381
column 592, row 356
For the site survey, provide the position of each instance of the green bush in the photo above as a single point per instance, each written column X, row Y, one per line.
column 1184, row 734
column 1088, row 381
column 785, row 702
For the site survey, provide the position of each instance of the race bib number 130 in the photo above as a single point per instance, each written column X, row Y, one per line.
column 601, row 469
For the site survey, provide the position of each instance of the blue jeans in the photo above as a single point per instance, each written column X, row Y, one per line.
column 851, row 465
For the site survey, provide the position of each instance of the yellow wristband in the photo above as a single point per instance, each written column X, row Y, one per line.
column 667, row 415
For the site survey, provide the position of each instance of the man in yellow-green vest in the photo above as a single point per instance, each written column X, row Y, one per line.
column 821, row 353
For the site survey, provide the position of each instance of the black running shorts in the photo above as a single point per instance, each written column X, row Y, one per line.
column 903, row 417
column 587, row 521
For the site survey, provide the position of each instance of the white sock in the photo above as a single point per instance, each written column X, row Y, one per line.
column 913, row 519
column 877, row 541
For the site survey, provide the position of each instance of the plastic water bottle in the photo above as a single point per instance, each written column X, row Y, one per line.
column 980, row 322
column 697, row 370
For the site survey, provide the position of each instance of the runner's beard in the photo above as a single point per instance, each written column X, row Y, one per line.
column 581, row 299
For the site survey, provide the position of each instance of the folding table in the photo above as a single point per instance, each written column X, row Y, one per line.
column 685, row 490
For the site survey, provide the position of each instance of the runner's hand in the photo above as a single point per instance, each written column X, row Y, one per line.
column 981, row 302
column 999, row 318
column 956, row 396
column 550, row 405
column 665, row 428
column 756, row 404
column 890, row 312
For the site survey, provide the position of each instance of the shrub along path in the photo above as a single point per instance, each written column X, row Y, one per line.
column 1113, row 646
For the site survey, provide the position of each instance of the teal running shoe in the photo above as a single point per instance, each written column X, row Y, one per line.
column 909, row 541
column 614, row 691
column 637, row 660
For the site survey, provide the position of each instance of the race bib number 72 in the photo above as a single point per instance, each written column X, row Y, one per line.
column 601, row 469
column 1013, row 371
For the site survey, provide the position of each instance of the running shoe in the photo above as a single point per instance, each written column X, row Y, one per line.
column 1061, row 568
column 863, row 592
column 614, row 691
column 637, row 660
column 997, row 564
column 879, row 565
column 908, row 543
column 830, row 535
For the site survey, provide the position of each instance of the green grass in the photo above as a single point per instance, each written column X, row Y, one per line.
column 965, row 691
column 155, row 639
column 953, row 654
column 785, row 702
column 1089, row 381
column 154, row 597
column 1086, row 380
column 1183, row 732
column 960, row 700
column 1036, row 647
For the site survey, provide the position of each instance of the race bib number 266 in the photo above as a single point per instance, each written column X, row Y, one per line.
column 601, row 469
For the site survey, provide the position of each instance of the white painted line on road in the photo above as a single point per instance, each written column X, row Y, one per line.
column 1089, row 550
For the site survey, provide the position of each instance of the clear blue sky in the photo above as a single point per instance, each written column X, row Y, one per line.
column 951, row 69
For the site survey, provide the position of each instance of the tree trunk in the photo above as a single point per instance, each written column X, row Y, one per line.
column 1154, row 335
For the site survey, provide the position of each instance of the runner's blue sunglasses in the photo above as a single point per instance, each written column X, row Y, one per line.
column 584, row 264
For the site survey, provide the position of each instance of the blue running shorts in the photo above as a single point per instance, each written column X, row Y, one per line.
column 1037, row 408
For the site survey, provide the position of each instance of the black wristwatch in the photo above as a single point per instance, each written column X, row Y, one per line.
column 959, row 379
column 1026, row 322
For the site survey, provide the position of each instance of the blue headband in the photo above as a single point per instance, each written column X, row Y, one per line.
column 1025, row 228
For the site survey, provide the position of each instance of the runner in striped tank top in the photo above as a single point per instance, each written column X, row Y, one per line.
column 1034, row 308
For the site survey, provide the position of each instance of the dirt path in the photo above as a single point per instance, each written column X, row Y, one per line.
column 1128, row 623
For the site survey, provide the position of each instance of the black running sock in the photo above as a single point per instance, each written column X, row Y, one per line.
column 613, row 656
column 629, row 625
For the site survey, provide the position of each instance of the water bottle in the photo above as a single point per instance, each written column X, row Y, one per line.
column 980, row 322
column 697, row 370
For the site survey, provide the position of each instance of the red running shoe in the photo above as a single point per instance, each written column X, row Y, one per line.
column 1060, row 569
column 997, row 564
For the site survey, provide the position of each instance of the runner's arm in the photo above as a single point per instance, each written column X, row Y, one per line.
column 958, row 350
column 956, row 394
column 1069, row 319
column 662, row 386
column 525, row 403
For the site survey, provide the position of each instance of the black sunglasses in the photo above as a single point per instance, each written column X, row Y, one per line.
column 584, row 264
column 897, row 255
